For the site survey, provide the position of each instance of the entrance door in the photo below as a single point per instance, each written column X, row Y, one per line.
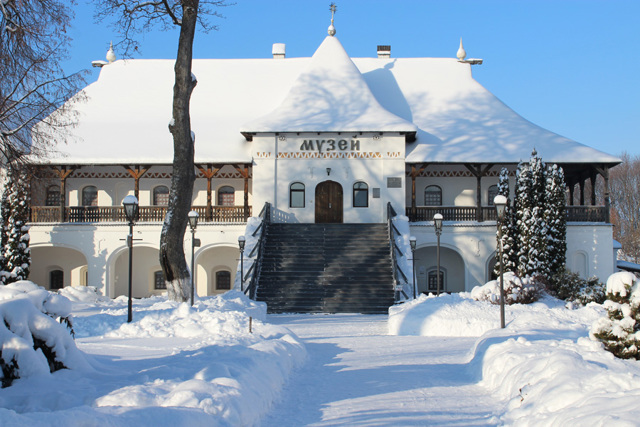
column 328, row 202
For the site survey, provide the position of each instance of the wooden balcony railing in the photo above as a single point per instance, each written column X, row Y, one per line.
column 468, row 213
column 76, row 214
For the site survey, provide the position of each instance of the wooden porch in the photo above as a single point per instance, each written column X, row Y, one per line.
column 472, row 213
column 93, row 214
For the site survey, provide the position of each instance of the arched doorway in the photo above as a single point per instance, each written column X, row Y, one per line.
column 452, row 270
column 329, row 202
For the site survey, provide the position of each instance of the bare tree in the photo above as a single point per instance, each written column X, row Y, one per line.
column 624, row 184
column 33, row 40
column 134, row 17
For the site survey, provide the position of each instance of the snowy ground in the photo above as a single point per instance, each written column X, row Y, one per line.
column 433, row 361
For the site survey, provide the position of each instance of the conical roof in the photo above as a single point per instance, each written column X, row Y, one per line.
column 331, row 95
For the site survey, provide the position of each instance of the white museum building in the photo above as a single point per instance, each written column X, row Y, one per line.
column 326, row 139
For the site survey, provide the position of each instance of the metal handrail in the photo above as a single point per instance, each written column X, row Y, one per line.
column 256, row 267
column 393, row 231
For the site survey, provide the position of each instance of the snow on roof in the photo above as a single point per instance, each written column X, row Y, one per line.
column 126, row 117
column 330, row 95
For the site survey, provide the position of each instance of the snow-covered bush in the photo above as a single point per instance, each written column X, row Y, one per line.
column 517, row 290
column 569, row 286
column 32, row 339
column 619, row 331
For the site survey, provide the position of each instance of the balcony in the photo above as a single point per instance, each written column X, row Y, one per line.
column 93, row 214
column 469, row 213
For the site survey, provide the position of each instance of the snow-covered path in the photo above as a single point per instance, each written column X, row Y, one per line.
column 358, row 375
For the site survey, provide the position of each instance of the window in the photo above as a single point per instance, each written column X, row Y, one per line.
column 360, row 195
column 226, row 196
column 158, row 281
column 53, row 196
column 161, row 195
column 433, row 196
column 492, row 192
column 432, row 280
column 223, row 280
column 56, row 279
column 296, row 195
column 90, row 196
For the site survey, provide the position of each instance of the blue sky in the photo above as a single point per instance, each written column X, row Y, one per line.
column 570, row 66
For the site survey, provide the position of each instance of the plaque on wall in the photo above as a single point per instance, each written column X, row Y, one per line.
column 375, row 192
column 394, row 182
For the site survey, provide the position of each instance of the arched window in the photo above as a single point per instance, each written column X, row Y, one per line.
column 56, row 279
column 433, row 196
column 360, row 195
column 223, row 280
column 53, row 196
column 226, row 196
column 296, row 195
column 90, row 196
column 158, row 281
column 492, row 192
column 161, row 195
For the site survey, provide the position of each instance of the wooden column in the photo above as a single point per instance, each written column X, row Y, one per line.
column 63, row 172
column 593, row 189
column 571, row 189
column 604, row 172
column 582, row 192
column 244, row 171
column 478, row 171
column 136, row 173
column 209, row 171
column 415, row 172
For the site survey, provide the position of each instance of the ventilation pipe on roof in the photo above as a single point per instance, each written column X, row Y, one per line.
column 384, row 51
column 279, row 50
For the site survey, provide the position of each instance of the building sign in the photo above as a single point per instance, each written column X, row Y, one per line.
column 394, row 182
column 328, row 145
column 337, row 147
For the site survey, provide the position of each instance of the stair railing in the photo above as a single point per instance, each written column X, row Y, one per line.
column 398, row 285
column 254, row 270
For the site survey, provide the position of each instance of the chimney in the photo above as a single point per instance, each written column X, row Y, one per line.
column 384, row 51
column 278, row 50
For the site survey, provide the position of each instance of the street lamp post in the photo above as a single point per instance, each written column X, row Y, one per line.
column 437, row 221
column 500, row 203
column 412, row 242
column 130, row 204
column 241, row 242
column 193, row 223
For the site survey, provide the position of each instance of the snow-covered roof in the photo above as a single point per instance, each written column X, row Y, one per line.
column 126, row 117
column 330, row 95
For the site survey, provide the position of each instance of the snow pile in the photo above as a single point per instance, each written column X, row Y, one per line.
column 84, row 294
column 174, row 364
column 33, row 343
column 541, row 367
column 516, row 290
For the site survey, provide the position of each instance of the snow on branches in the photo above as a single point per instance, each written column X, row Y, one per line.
column 15, row 253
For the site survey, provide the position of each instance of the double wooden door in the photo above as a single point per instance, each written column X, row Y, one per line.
column 329, row 202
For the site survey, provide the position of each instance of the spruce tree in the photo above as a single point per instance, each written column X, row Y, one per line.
column 5, row 211
column 537, row 262
column 556, row 220
column 507, row 228
column 523, row 216
column 17, row 256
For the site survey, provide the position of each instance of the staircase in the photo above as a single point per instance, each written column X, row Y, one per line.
column 331, row 268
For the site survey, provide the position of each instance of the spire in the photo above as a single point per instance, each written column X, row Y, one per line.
column 462, row 54
column 111, row 55
column 332, row 29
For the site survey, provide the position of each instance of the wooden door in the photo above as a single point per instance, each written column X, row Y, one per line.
column 328, row 202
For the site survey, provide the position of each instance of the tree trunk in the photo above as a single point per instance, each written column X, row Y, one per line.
column 172, row 258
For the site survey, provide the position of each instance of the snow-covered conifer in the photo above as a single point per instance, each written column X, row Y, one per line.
column 537, row 262
column 556, row 220
column 507, row 228
column 16, row 250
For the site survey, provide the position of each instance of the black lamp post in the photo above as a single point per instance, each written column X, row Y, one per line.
column 412, row 242
column 501, row 203
column 241, row 242
column 193, row 223
column 437, row 221
column 130, row 204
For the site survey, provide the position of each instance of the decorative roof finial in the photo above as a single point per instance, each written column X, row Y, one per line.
column 332, row 29
column 462, row 54
column 111, row 55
